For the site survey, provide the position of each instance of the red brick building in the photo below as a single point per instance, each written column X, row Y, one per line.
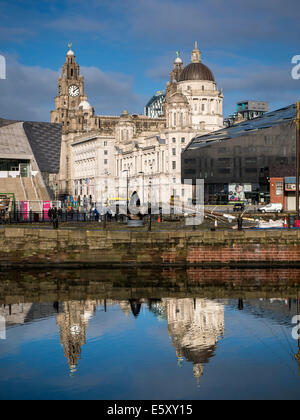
column 283, row 190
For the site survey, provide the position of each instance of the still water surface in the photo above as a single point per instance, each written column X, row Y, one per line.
column 181, row 343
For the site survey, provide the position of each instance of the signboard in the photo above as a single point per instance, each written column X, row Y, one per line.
column 24, row 208
column 236, row 192
column 291, row 187
column 46, row 207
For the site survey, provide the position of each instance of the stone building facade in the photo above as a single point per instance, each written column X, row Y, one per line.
column 101, row 155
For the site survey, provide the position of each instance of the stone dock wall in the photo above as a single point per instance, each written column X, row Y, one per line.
column 100, row 248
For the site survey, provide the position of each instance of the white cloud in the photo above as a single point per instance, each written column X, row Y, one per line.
column 28, row 92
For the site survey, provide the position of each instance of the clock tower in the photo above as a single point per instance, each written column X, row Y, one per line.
column 70, row 94
column 76, row 116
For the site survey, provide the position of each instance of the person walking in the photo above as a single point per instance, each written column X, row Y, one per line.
column 240, row 222
column 53, row 215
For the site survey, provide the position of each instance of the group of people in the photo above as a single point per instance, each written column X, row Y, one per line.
column 54, row 214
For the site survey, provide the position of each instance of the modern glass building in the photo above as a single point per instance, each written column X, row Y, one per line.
column 154, row 107
column 237, row 162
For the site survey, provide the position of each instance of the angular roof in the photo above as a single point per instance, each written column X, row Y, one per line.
column 28, row 140
column 45, row 142
column 14, row 143
column 4, row 122
column 270, row 119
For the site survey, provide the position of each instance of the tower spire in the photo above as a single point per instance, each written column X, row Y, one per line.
column 196, row 54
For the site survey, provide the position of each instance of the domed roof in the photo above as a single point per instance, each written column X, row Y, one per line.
column 178, row 60
column 196, row 71
column 85, row 105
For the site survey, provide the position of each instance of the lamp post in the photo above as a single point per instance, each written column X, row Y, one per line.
column 143, row 174
column 149, row 204
column 127, row 178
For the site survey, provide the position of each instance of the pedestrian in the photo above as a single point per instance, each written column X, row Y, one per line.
column 96, row 214
column 53, row 215
column 240, row 222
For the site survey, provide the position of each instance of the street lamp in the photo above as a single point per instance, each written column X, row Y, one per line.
column 127, row 207
column 149, row 205
column 143, row 174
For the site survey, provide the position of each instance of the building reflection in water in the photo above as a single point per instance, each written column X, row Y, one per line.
column 195, row 327
column 72, row 323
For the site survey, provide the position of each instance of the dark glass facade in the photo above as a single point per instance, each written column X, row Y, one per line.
column 248, row 153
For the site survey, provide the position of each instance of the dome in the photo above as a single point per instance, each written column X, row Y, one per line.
column 196, row 71
column 70, row 52
column 85, row 105
column 178, row 60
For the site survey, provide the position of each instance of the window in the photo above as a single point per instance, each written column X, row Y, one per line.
column 106, row 152
column 105, row 143
column 174, row 164
column 224, row 171
column 250, row 161
column 279, row 188
column 174, row 140
column 203, row 107
column 224, row 161
column 174, row 152
column 182, row 140
column 105, row 161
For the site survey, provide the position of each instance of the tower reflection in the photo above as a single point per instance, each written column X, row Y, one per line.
column 72, row 323
column 195, row 327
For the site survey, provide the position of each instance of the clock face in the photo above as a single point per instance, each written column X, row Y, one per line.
column 74, row 91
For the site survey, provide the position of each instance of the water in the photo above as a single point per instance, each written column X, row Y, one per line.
column 201, row 334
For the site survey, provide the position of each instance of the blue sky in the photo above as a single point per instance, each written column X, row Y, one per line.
column 126, row 50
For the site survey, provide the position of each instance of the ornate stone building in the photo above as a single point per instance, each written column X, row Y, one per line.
column 101, row 154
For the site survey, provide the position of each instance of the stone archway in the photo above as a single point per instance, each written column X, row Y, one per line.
column 135, row 201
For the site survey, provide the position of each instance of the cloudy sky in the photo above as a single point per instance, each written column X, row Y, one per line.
column 126, row 50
